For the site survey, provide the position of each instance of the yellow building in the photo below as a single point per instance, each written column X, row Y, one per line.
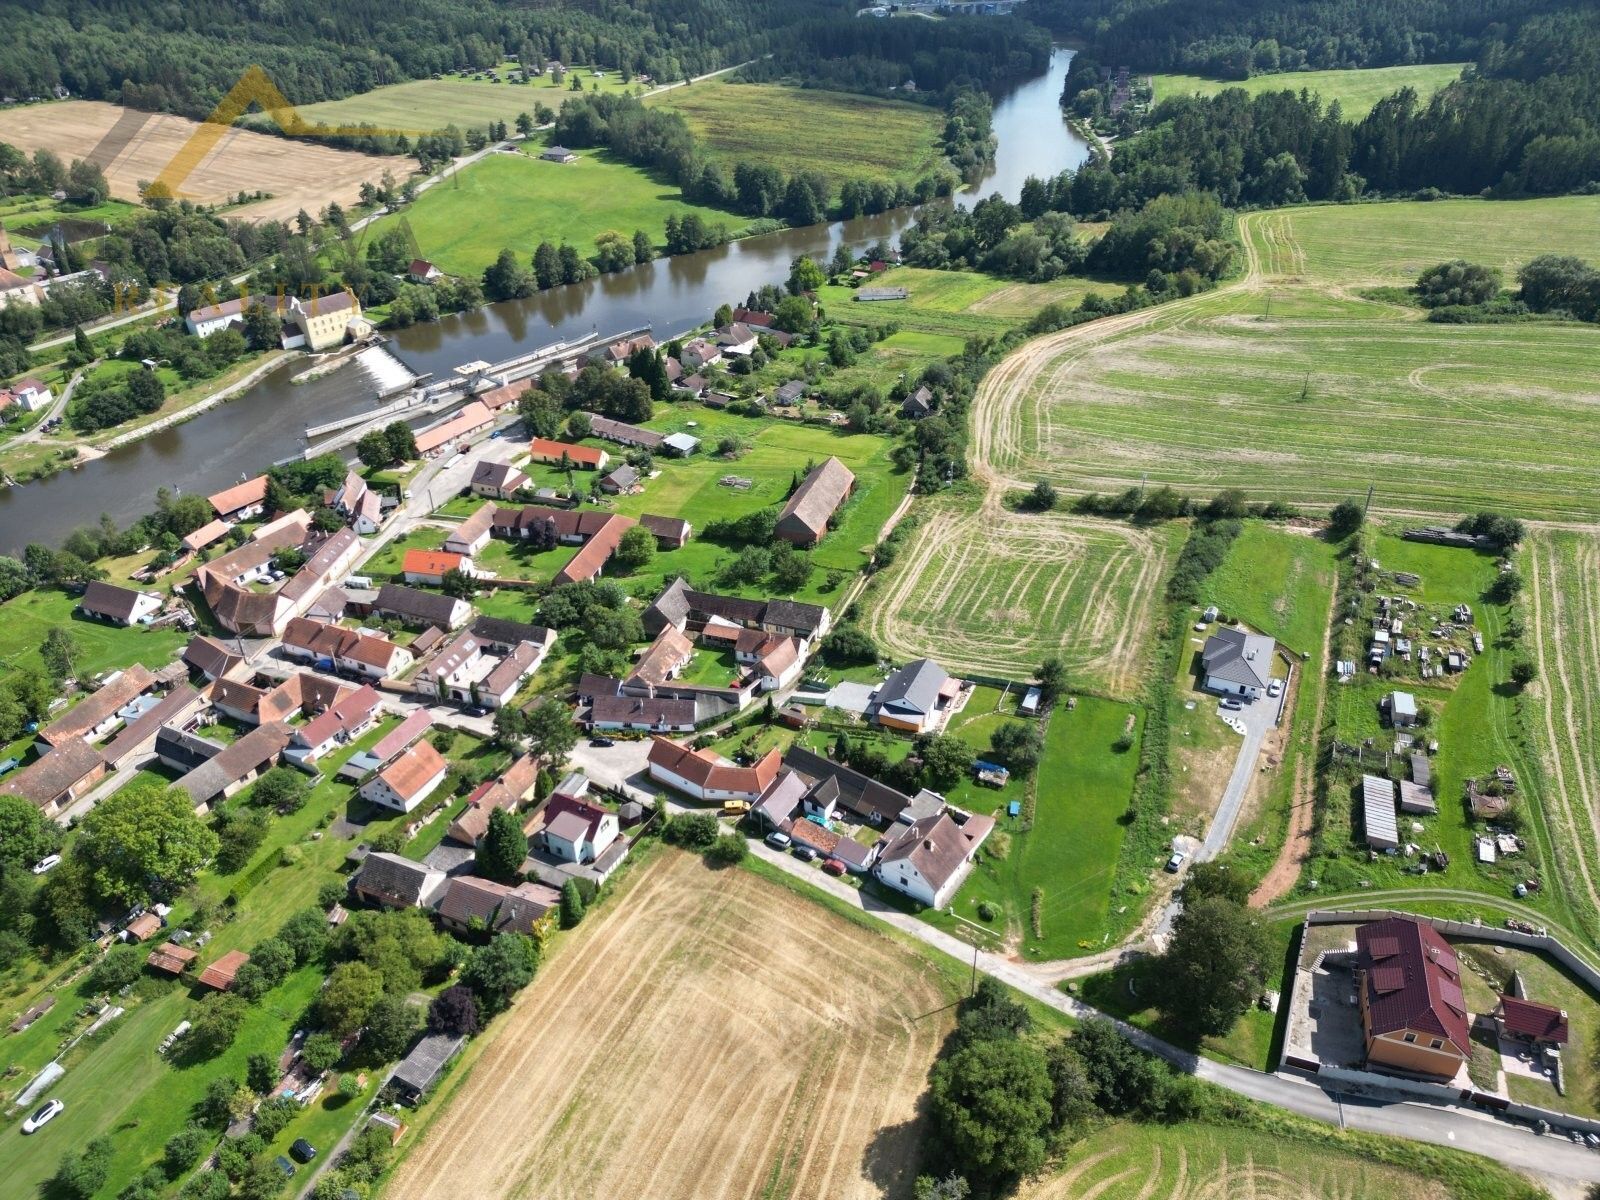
column 324, row 321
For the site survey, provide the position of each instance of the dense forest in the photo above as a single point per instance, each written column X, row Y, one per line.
column 161, row 55
column 1525, row 122
column 1234, row 39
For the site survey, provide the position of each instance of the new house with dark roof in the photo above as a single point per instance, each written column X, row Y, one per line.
column 1413, row 1012
column 1237, row 663
column 915, row 697
column 805, row 517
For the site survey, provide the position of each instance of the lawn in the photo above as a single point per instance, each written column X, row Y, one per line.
column 957, row 304
column 518, row 201
column 28, row 219
column 865, row 138
column 1392, row 242
column 1276, row 580
column 997, row 592
column 1069, row 854
column 1286, row 1157
column 426, row 105
column 1355, row 91
column 26, row 619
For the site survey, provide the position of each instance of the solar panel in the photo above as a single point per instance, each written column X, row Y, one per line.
column 1450, row 993
column 1388, row 979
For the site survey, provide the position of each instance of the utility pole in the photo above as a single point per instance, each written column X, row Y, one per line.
column 1367, row 507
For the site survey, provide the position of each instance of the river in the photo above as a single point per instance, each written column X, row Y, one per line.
column 672, row 295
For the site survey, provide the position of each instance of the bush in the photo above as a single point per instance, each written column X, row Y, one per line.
column 116, row 969
column 728, row 850
column 272, row 1116
column 184, row 1148
column 572, row 906
column 695, row 831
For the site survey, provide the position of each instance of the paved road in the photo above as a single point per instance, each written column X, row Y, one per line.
column 1258, row 717
column 1462, row 1129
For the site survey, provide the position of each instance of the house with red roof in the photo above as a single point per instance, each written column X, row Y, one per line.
column 545, row 450
column 708, row 777
column 431, row 566
column 1542, row 1026
column 1413, row 1011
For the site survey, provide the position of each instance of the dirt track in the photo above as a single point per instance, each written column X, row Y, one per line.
column 299, row 174
column 709, row 1034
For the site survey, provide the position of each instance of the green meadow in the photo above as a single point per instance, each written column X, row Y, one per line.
column 1355, row 91
column 516, row 201
column 866, row 138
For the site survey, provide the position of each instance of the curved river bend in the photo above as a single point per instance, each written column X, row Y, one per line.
column 265, row 424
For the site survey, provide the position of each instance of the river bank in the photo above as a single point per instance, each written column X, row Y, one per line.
column 671, row 296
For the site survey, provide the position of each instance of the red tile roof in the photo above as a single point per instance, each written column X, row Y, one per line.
column 583, row 456
column 708, row 771
column 1529, row 1019
column 410, row 773
column 430, row 562
column 1413, row 980
column 240, row 495
column 220, row 974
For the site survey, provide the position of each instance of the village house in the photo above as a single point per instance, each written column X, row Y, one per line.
column 423, row 271
column 474, row 417
column 347, row 649
column 409, row 780
column 358, row 504
column 620, row 482
column 136, row 740
column 1237, row 663
column 707, row 777
column 340, row 725
column 14, row 289
column 416, row 607
column 468, row 828
column 547, row 450
column 431, row 566
column 119, row 605
column 918, row 404
column 915, row 697
column 697, row 354
column 683, row 608
column 497, row 481
column 641, row 714
column 92, row 718
column 472, row 905
column 576, row 831
column 1413, row 1012
column 477, row 667
column 61, row 776
column 229, row 314
column 804, row 519
column 775, row 659
column 930, row 858
column 559, row 154
column 394, row 881
column 738, row 340
column 790, row 394
column 237, row 765
column 622, row 433
column 869, row 800
column 241, row 501
column 471, row 535
column 671, row 533
column 30, row 395
column 208, row 534
column 363, row 762
column 617, row 353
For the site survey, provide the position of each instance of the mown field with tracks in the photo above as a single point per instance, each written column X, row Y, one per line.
column 990, row 591
column 1292, row 385
column 709, row 1034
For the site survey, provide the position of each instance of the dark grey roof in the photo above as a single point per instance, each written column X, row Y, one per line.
column 109, row 600
column 1239, row 657
column 642, row 710
column 186, row 751
column 499, row 632
column 859, row 793
column 914, row 688
column 414, row 604
column 791, row 614
column 396, row 879
column 669, row 608
column 418, row 1070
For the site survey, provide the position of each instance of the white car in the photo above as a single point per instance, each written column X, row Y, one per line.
column 48, row 863
column 48, row 1111
column 1275, row 687
column 1175, row 863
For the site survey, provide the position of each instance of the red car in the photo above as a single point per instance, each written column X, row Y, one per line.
column 833, row 867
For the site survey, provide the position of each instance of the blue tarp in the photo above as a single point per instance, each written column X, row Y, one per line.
column 1014, row 808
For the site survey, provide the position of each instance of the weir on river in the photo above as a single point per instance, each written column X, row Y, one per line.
column 671, row 295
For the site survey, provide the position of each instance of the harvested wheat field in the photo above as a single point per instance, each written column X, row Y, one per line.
column 991, row 591
column 142, row 146
column 709, row 1034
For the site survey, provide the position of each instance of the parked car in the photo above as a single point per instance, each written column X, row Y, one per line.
column 10, row 764
column 48, row 1111
column 1275, row 687
column 1232, row 705
column 476, row 710
column 284, row 1165
column 1175, row 863
column 48, row 863
column 804, row 853
column 303, row 1150
column 601, row 743
column 833, row 866
column 735, row 808
column 780, row 840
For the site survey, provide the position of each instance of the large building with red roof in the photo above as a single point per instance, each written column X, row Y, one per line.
column 1413, row 1012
